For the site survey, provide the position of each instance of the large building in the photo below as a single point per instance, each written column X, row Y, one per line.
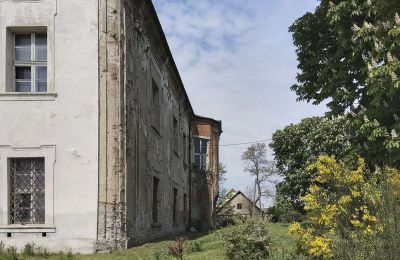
column 100, row 148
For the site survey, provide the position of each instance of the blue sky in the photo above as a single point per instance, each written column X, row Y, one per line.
column 237, row 61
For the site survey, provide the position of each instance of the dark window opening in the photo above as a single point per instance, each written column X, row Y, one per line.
column 155, row 205
column 175, row 135
column 185, row 208
column 155, row 107
column 239, row 206
column 174, row 213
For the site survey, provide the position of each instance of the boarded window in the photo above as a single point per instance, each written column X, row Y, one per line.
column 27, row 191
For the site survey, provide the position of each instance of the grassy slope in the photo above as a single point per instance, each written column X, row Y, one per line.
column 212, row 245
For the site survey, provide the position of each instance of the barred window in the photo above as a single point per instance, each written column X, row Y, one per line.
column 27, row 191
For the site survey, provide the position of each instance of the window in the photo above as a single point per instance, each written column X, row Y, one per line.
column 239, row 206
column 185, row 208
column 27, row 191
column 200, row 153
column 175, row 135
column 30, row 62
column 184, row 144
column 156, row 182
column 174, row 213
column 155, row 106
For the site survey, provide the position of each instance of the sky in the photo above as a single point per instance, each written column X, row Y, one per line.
column 237, row 62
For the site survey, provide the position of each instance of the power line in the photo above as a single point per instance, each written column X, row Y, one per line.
column 235, row 144
column 253, row 142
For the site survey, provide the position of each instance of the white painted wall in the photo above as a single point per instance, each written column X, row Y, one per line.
column 66, row 119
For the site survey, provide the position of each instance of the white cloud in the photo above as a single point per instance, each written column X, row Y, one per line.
column 237, row 62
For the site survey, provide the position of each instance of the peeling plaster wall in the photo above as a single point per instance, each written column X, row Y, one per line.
column 133, row 57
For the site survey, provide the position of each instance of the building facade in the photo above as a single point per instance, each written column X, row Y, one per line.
column 96, row 152
column 240, row 204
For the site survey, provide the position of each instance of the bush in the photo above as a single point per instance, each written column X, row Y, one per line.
column 353, row 213
column 178, row 248
column 249, row 240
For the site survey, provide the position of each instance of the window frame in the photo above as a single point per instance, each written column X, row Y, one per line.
column 33, row 63
column 175, row 135
column 203, row 156
column 239, row 206
column 48, row 152
column 14, row 191
column 7, row 52
column 155, row 207
column 155, row 106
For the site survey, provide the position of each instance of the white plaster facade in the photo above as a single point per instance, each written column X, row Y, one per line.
column 60, row 125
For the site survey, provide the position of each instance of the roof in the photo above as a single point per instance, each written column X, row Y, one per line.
column 218, row 123
column 153, row 12
column 234, row 196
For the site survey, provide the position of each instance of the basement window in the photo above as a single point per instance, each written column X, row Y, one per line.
column 30, row 62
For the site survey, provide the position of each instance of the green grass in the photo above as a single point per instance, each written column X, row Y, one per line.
column 211, row 245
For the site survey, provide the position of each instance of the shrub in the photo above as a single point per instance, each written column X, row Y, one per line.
column 249, row 240
column 177, row 249
column 351, row 212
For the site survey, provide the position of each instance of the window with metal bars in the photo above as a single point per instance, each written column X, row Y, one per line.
column 27, row 191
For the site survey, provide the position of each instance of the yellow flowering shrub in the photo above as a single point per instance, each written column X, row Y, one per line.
column 341, row 202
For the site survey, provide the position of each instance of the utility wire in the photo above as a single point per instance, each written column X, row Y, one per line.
column 253, row 142
column 235, row 144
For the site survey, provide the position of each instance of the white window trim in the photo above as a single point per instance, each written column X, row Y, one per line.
column 7, row 47
column 49, row 153
column 208, row 148
column 33, row 63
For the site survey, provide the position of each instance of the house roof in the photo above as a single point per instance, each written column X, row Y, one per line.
column 234, row 196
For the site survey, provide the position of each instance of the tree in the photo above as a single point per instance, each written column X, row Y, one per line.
column 348, row 53
column 221, row 180
column 298, row 145
column 263, row 170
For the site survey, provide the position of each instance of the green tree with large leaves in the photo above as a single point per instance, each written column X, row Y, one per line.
column 298, row 145
column 348, row 53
